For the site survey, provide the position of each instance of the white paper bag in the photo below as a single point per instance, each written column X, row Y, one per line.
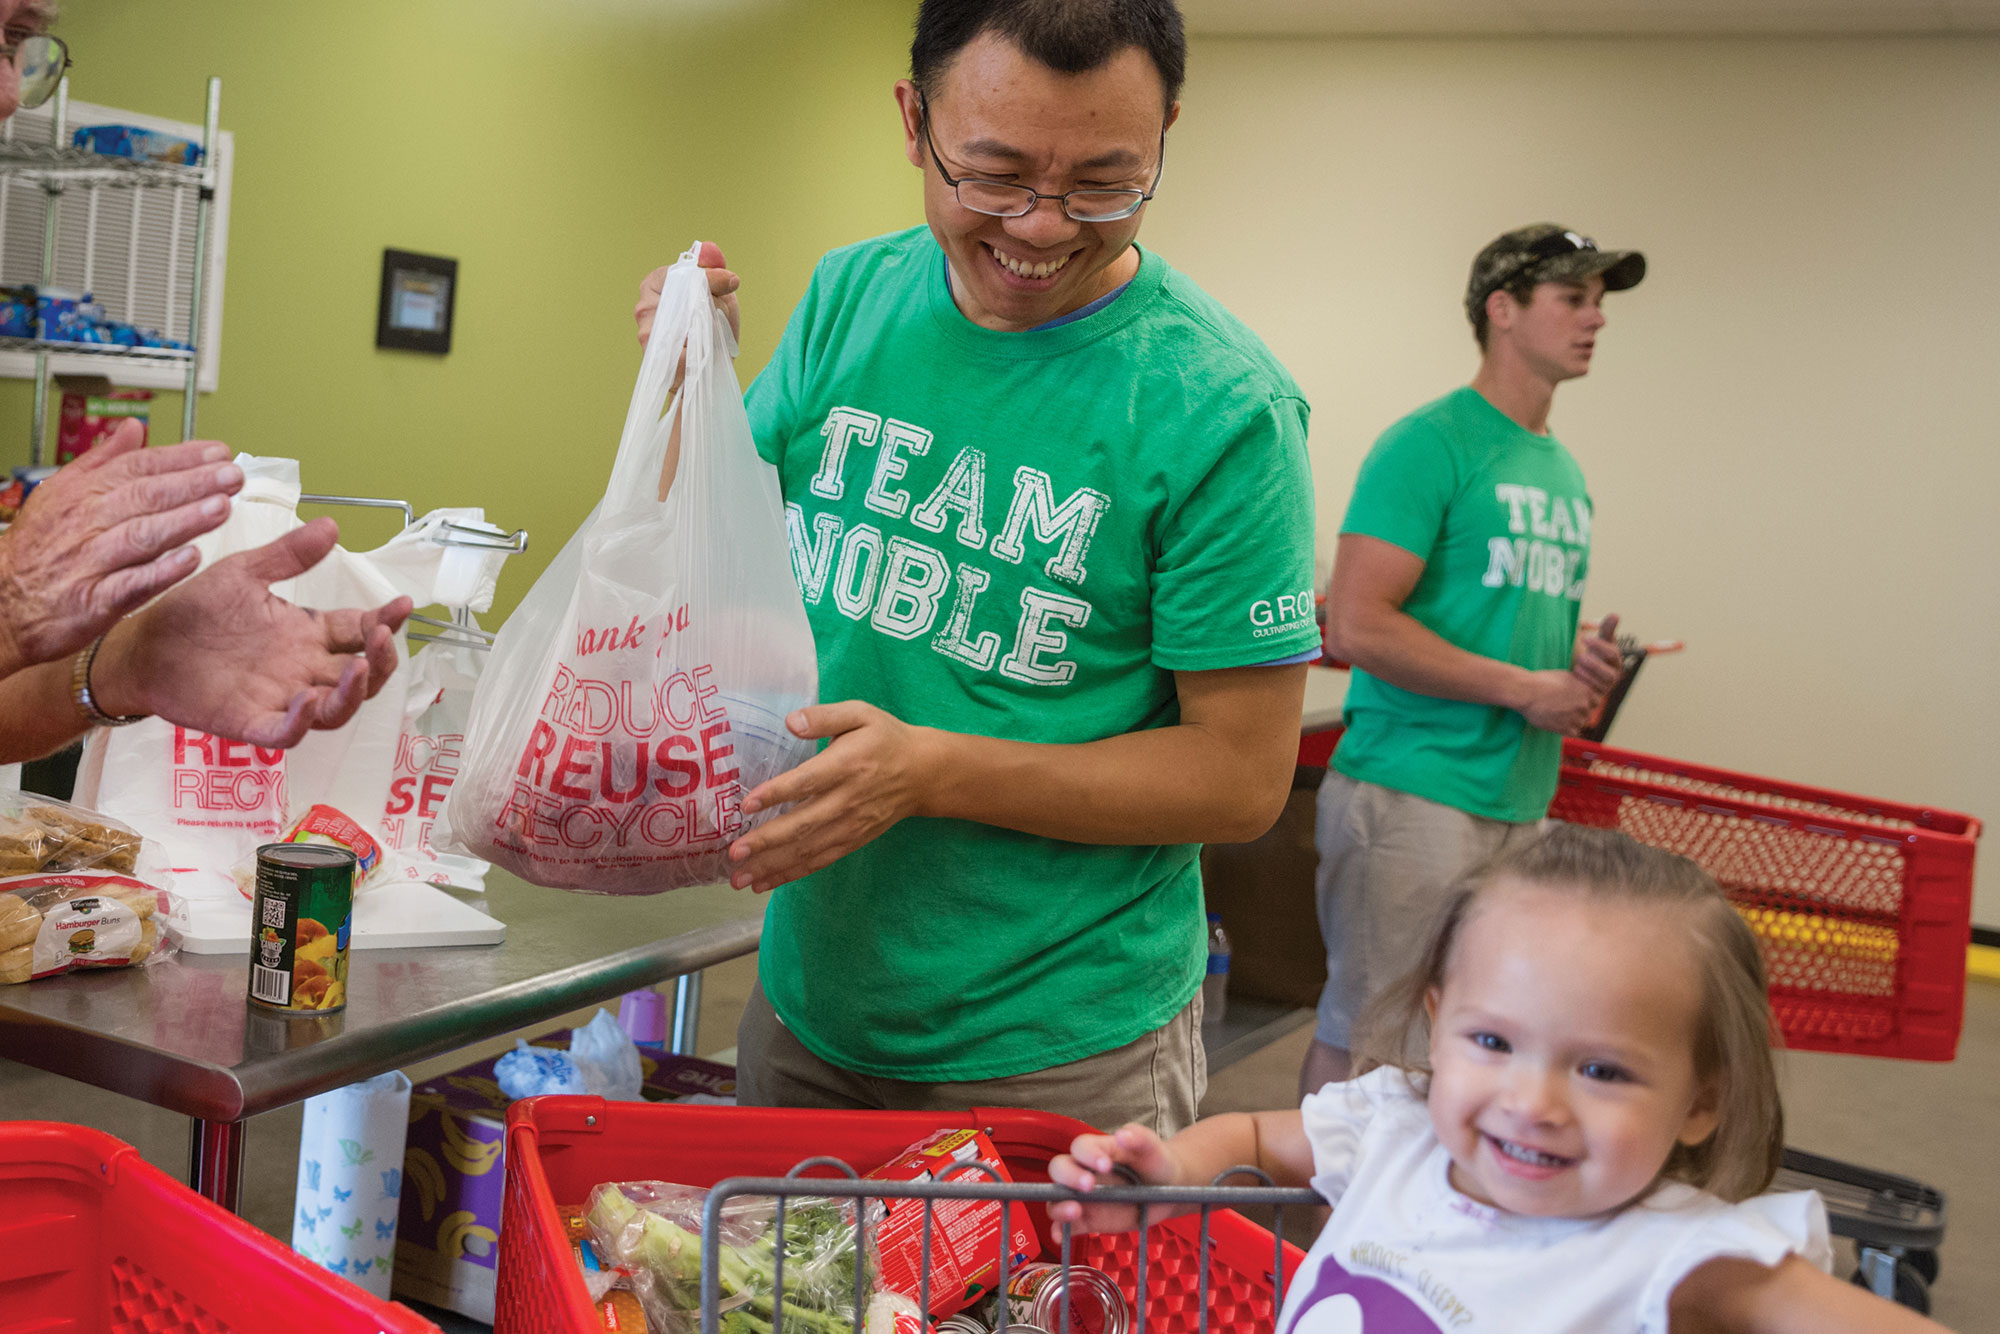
column 351, row 1179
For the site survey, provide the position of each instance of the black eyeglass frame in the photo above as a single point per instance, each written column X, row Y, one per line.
column 10, row 52
column 1035, row 197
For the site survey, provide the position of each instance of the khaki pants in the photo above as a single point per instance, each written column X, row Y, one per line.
column 1386, row 859
column 1157, row 1080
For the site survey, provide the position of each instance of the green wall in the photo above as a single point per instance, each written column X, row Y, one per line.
column 558, row 152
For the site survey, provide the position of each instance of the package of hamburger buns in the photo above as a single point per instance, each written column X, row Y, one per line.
column 77, row 890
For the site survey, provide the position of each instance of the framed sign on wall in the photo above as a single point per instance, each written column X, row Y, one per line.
column 417, row 297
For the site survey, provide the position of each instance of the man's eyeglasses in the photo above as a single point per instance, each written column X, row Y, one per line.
column 999, row 200
column 39, row 65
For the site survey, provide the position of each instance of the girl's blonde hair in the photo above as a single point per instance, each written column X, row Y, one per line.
column 1733, row 1032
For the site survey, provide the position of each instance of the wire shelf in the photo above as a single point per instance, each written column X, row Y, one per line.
column 47, row 165
column 116, row 350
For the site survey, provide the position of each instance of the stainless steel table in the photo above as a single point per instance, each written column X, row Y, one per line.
column 182, row 1034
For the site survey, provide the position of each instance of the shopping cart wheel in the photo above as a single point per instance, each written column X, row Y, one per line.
column 1911, row 1287
column 1925, row 1263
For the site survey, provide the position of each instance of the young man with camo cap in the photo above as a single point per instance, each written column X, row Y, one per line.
column 1455, row 594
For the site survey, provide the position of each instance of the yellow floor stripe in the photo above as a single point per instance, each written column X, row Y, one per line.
column 1983, row 961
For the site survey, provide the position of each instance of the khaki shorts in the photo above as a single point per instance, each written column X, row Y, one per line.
column 1386, row 859
column 1157, row 1080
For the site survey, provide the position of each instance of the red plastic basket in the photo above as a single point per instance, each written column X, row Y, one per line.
column 559, row 1148
column 1863, row 907
column 92, row 1237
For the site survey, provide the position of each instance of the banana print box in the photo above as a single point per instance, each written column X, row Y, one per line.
column 300, row 918
column 455, row 1172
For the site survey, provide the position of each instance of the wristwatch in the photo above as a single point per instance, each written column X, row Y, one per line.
column 86, row 703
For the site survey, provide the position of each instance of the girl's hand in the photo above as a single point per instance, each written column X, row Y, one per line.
column 1094, row 1158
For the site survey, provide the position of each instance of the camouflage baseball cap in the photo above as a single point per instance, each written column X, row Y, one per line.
column 1547, row 252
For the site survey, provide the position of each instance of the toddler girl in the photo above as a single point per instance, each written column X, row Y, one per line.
column 1582, row 1146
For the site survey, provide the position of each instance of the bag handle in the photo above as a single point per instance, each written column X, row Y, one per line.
column 686, row 318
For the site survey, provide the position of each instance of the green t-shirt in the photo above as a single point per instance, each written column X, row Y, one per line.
column 1019, row 535
column 1501, row 519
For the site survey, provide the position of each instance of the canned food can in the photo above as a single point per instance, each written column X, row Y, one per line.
column 1037, row 1293
column 300, row 919
column 961, row 1323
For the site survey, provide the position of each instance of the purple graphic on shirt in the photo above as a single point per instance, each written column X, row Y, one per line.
column 1344, row 1303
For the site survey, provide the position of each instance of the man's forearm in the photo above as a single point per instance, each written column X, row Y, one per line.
column 1180, row 784
column 1396, row 647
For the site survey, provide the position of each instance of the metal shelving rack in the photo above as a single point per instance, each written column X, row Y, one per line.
column 59, row 165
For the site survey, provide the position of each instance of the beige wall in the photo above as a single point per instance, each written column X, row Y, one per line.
column 1789, row 431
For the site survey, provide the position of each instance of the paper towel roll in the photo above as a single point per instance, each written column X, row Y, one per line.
column 351, row 1179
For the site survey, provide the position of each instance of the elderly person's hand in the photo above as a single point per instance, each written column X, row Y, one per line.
column 103, row 536
column 222, row 654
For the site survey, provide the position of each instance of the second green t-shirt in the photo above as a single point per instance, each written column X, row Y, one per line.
column 1501, row 519
column 1018, row 535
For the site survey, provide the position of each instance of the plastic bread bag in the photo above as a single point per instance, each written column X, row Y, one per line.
column 654, row 1228
column 78, row 891
column 39, row 833
column 641, row 687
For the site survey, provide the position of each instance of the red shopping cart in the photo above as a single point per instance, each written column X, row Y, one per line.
column 92, row 1237
column 559, row 1148
column 1863, row 909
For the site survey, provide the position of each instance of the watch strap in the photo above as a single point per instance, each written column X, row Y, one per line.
column 86, row 702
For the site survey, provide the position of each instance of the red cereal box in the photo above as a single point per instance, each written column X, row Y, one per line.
column 965, row 1234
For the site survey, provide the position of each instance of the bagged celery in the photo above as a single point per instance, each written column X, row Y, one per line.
column 654, row 1229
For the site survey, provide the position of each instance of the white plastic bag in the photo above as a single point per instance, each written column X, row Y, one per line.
column 641, row 687
column 209, row 801
column 434, row 561
column 608, row 1058
column 443, row 677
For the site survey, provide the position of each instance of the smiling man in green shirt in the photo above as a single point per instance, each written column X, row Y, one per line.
column 1051, row 516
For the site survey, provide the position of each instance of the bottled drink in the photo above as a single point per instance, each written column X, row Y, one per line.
column 1215, row 985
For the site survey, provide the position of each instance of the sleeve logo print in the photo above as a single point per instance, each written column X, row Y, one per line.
column 1282, row 614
